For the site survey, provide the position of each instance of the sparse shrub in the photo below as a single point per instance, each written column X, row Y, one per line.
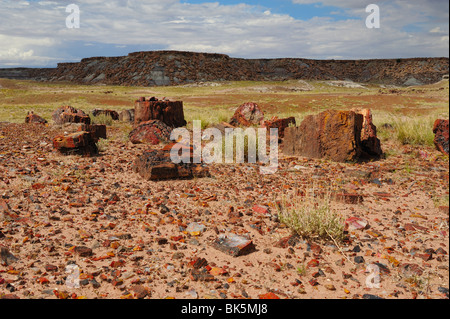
column 102, row 119
column 313, row 218
column 102, row 145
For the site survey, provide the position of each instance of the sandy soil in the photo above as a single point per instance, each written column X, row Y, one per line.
column 51, row 205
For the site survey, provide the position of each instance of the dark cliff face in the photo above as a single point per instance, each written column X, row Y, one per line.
column 159, row 68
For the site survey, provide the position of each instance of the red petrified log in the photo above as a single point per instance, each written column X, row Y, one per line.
column 68, row 114
column 441, row 131
column 168, row 112
column 79, row 143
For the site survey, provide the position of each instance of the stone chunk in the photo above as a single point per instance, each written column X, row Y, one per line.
column 169, row 112
column 97, row 131
column 280, row 124
column 127, row 116
column 248, row 114
column 156, row 165
column 441, row 131
column 151, row 132
column 79, row 143
column 233, row 245
column 34, row 118
column 6, row 258
column 68, row 114
column 369, row 140
column 334, row 135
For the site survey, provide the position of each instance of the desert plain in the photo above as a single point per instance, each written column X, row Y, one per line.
column 130, row 238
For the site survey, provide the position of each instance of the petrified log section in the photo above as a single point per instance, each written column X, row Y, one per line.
column 168, row 112
column 34, row 118
column 157, row 165
column 335, row 135
column 97, row 131
column 79, row 143
column 441, row 131
column 248, row 114
column 69, row 114
column 152, row 132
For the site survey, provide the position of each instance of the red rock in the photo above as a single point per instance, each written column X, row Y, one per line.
column 156, row 165
column 6, row 257
column 355, row 223
column 313, row 263
column 140, row 292
column 233, row 245
column 334, row 135
column 369, row 140
column 201, row 275
column 97, row 131
column 248, row 114
column 410, row 270
column 51, row 268
column 198, row 263
column 313, row 282
column 169, row 112
column 269, row 296
column 79, row 143
column 83, row 251
column 34, row 118
column 263, row 210
column 349, row 198
column 441, row 131
column 151, row 132
column 68, row 114
column 280, row 124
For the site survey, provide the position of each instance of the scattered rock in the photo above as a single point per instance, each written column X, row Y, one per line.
column 156, row 165
column 280, row 124
column 233, row 245
column 34, row 118
column 6, row 257
column 246, row 115
column 151, row 132
column 409, row 270
column 68, row 114
column 80, row 143
column 83, row 251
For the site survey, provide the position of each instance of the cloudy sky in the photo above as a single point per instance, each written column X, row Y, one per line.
column 34, row 33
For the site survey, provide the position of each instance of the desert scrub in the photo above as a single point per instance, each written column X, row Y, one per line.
column 102, row 119
column 407, row 130
column 313, row 218
column 102, row 145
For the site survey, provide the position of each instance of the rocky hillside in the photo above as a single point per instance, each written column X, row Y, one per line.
column 157, row 68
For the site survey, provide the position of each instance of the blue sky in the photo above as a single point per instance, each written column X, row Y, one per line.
column 317, row 29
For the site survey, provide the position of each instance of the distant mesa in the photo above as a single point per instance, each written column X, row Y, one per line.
column 164, row 68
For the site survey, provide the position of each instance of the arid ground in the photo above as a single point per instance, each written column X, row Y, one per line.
column 54, row 208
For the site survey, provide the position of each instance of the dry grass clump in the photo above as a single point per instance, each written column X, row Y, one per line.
column 312, row 217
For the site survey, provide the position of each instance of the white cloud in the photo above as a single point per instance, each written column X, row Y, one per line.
column 238, row 30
